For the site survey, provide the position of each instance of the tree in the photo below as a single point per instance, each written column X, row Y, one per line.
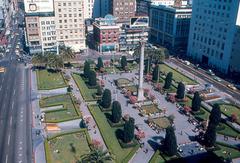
column 66, row 53
column 210, row 135
column 215, row 115
column 97, row 155
column 54, row 61
column 124, row 62
column 180, row 91
column 156, row 71
column 234, row 117
column 99, row 90
column 116, row 112
column 168, row 80
column 170, row 143
column 86, row 69
column 92, row 80
column 100, row 63
column 196, row 102
column 129, row 130
column 39, row 60
column 155, row 55
column 147, row 66
column 106, row 98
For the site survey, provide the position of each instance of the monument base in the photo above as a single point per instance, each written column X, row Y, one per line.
column 140, row 95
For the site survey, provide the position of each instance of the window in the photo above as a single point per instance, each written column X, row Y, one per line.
column 59, row 10
column 64, row 4
column 60, row 21
column 42, row 23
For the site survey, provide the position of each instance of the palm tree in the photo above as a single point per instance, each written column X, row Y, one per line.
column 157, row 55
column 54, row 61
column 39, row 60
column 66, row 53
column 97, row 155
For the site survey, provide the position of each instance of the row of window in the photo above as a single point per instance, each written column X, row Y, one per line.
column 69, row 3
column 47, row 22
column 49, row 38
column 70, row 10
column 71, row 26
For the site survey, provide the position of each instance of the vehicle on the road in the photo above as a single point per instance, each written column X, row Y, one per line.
column 210, row 72
column 7, row 51
column 232, row 87
column 186, row 63
column 217, row 79
column 17, row 52
column 197, row 67
column 2, row 69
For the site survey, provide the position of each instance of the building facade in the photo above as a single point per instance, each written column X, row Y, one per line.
column 235, row 55
column 143, row 6
column 33, row 34
column 212, row 31
column 170, row 26
column 69, row 21
column 104, row 8
column 48, row 33
column 123, row 10
column 131, row 34
column 92, row 9
column 106, row 34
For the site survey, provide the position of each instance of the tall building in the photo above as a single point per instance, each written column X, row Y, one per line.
column 143, row 6
column 50, row 23
column 134, row 32
column 69, row 21
column 170, row 26
column 104, row 8
column 212, row 31
column 106, row 34
column 92, row 9
column 123, row 9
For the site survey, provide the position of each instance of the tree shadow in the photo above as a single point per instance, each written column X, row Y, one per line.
column 154, row 144
column 108, row 116
column 72, row 148
column 119, row 134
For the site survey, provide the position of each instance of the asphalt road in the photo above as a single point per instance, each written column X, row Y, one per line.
column 201, row 74
column 15, row 110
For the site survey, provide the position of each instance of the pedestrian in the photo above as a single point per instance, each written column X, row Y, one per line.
column 146, row 150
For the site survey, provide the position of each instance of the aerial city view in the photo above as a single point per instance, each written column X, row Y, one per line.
column 122, row 81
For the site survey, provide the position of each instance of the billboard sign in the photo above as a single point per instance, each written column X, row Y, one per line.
column 33, row 6
column 139, row 21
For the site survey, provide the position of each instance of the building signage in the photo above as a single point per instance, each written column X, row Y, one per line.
column 33, row 6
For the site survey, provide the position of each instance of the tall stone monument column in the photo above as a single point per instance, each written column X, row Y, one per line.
column 141, row 67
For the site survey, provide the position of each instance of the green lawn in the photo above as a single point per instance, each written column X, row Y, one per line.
column 157, row 158
column 68, row 112
column 229, row 109
column 85, row 91
column 108, row 133
column 67, row 148
column 177, row 76
column 111, row 69
column 222, row 152
column 49, row 80
column 228, row 131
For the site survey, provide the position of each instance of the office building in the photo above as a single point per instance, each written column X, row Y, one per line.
column 51, row 23
column 143, row 6
column 123, row 10
column 106, row 34
column 92, row 9
column 131, row 34
column 169, row 26
column 212, row 32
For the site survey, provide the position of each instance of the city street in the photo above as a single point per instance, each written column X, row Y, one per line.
column 200, row 74
column 15, row 136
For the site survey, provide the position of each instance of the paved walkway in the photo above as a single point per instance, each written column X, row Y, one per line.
column 85, row 113
column 152, row 139
column 230, row 140
column 202, row 82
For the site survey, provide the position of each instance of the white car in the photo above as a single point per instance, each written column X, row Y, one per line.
column 217, row 79
column 231, row 87
column 210, row 72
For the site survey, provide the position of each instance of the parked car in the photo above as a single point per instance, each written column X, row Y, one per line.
column 210, row 72
column 217, row 79
column 186, row 63
column 232, row 87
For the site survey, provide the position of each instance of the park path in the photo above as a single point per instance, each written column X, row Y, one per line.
column 152, row 139
column 93, row 128
column 192, row 76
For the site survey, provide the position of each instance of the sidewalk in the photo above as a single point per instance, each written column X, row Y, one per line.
column 38, row 141
column 237, row 126
column 85, row 113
